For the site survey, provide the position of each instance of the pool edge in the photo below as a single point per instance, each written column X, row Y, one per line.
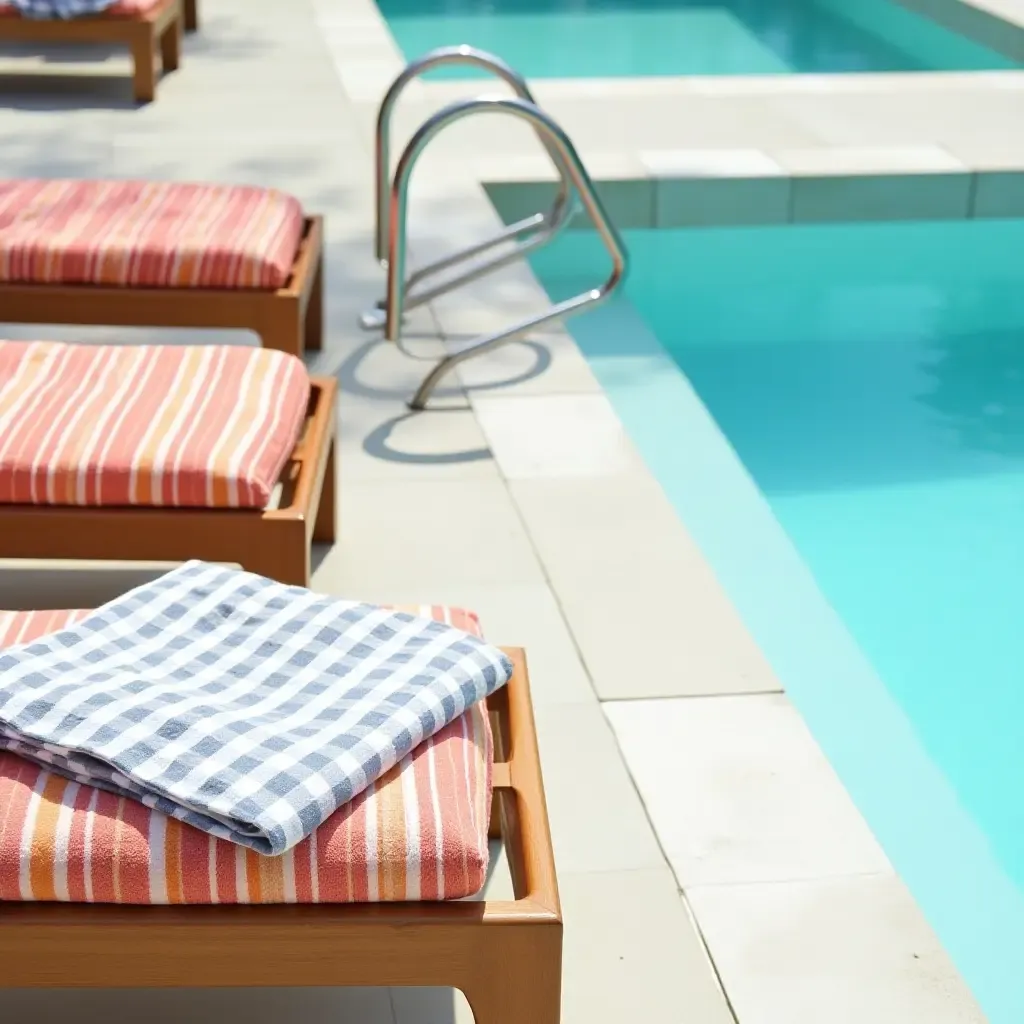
column 980, row 924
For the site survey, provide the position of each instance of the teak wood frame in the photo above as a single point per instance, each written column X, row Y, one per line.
column 157, row 29
column 505, row 956
column 273, row 542
column 288, row 319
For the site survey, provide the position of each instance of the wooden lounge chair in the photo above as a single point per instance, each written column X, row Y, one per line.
column 165, row 453
column 162, row 254
column 144, row 26
column 504, row 955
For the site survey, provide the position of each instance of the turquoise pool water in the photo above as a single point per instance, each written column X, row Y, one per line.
column 837, row 413
column 610, row 38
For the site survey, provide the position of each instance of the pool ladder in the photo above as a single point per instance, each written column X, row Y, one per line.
column 520, row 238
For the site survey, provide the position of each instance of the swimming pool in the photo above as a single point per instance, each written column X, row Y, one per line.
column 612, row 38
column 837, row 414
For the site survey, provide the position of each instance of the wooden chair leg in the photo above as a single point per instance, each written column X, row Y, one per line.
column 315, row 312
column 191, row 15
column 282, row 328
column 325, row 527
column 524, row 984
column 144, row 59
column 170, row 47
column 284, row 556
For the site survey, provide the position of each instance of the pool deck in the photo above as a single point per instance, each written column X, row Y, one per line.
column 712, row 868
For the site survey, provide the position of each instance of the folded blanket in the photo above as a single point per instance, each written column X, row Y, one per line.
column 60, row 8
column 243, row 707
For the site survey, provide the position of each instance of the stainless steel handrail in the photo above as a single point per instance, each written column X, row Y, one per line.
column 544, row 225
column 557, row 139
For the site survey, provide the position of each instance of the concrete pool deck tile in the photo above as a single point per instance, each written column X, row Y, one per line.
column 709, row 163
column 386, row 441
column 846, row 951
column 542, row 364
column 554, row 436
column 547, row 90
column 28, row 156
column 598, row 823
column 365, row 79
column 739, row 792
column 986, row 154
column 489, row 304
column 623, row 566
column 538, row 166
column 632, row 953
column 374, row 370
column 673, row 122
column 848, row 120
column 869, row 160
column 400, row 534
column 204, row 1006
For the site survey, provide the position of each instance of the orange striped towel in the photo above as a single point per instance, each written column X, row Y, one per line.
column 146, row 425
column 147, row 234
column 418, row 833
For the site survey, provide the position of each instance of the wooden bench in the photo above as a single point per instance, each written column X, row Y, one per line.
column 146, row 27
column 203, row 256
column 505, row 955
column 88, row 422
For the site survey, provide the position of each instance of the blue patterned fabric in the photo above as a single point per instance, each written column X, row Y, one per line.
column 60, row 8
column 249, row 709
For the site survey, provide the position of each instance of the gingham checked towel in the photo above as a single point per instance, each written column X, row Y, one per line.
column 60, row 8
column 246, row 708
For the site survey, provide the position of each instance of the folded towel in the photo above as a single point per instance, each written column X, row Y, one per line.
column 243, row 707
column 60, row 8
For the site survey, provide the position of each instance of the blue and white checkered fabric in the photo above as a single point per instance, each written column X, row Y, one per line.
column 244, row 707
column 60, row 8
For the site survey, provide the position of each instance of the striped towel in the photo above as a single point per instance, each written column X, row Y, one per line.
column 243, row 707
column 60, row 8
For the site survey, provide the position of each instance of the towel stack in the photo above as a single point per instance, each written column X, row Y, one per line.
column 216, row 720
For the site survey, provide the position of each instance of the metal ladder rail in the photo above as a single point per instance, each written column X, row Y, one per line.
column 543, row 226
column 544, row 125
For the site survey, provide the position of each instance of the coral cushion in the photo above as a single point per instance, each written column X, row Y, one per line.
column 147, row 234
column 113, row 425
